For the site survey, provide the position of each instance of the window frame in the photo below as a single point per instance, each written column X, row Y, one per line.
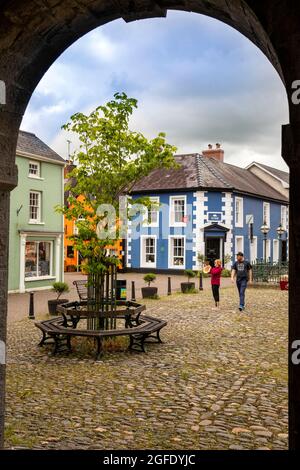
column 143, row 253
column 146, row 218
column 38, row 278
column 39, row 207
column 254, row 245
column 38, row 164
column 269, row 250
column 268, row 218
column 241, row 237
column 239, row 223
column 172, row 200
column 75, row 228
column 171, row 252
column 283, row 217
column 277, row 244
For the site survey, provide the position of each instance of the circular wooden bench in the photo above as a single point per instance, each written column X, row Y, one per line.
column 59, row 332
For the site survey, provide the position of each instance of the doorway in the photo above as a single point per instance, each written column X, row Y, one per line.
column 284, row 251
column 212, row 249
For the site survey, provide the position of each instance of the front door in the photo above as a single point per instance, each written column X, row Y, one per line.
column 212, row 250
column 284, row 251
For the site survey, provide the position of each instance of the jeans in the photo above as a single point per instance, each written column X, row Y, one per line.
column 242, row 286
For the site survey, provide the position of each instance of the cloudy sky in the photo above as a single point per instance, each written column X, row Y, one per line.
column 195, row 78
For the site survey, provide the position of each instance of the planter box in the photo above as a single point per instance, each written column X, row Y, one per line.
column 187, row 286
column 52, row 305
column 71, row 268
column 284, row 285
column 149, row 292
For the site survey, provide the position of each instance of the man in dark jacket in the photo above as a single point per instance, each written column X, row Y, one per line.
column 241, row 273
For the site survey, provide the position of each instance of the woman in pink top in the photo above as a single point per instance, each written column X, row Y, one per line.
column 215, row 273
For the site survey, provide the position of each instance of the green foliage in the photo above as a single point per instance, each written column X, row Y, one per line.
column 60, row 288
column 190, row 274
column 201, row 259
column 226, row 273
column 227, row 259
column 191, row 290
column 154, row 297
column 110, row 161
column 148, row 278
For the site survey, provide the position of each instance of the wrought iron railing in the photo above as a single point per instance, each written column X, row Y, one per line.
column 269, row 271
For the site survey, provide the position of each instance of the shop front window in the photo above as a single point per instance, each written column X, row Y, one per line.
column 37, row 259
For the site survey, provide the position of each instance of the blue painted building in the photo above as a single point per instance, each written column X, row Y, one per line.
column 211, row 208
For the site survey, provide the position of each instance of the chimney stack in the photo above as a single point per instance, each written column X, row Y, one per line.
column 68, row 167
column 217, row 153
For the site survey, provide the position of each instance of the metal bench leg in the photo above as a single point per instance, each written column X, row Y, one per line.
column 56, row 344
column 41, row 343
column 69, row 343
column 137, row 341
column 142, row 342
column 158, row 336
column 99, row 352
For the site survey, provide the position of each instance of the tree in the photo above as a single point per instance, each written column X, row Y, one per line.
column 110, row 161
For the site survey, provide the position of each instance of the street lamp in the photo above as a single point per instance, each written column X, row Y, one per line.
column 265, row 230
column 280, row 231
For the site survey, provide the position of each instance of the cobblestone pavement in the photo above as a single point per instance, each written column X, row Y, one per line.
column 18, row 304
column 219, row 381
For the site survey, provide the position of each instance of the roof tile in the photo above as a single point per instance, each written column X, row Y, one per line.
column 199, row 172
column 30, row 143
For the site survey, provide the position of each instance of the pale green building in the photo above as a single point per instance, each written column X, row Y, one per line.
column 36, row 229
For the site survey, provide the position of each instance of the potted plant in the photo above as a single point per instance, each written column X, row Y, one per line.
column 188, row 286
column 149, row 291
column 71, row 268
column 59, row 288
column 284, row 282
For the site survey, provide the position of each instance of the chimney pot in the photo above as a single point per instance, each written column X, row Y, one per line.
column 217, row 153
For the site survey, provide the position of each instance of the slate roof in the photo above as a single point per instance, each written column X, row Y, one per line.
column 283, row 175
column 30, row 143
column 197, row 172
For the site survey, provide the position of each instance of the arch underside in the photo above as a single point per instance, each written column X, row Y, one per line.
column 34, row 33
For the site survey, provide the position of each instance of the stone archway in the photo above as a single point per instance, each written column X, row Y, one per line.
column 33, row 33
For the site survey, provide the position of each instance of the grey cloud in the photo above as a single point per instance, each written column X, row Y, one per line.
column 195, row 78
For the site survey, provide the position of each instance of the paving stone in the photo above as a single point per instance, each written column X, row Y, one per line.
column 263, row 433
column 205, row 423
column 210, row 385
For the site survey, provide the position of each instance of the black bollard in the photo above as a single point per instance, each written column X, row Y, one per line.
column 31, row 306
column 200, row 281
column 169, row 286
column 133, row 291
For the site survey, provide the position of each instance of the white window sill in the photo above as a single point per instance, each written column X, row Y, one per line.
column 36, row 178
column 239, row 225
column 148, row 266
column 177, row 267
column 40, row 278
column 32, row 222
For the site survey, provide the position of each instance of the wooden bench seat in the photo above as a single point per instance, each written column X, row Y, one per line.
column 73, row 312
column 56, row 332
